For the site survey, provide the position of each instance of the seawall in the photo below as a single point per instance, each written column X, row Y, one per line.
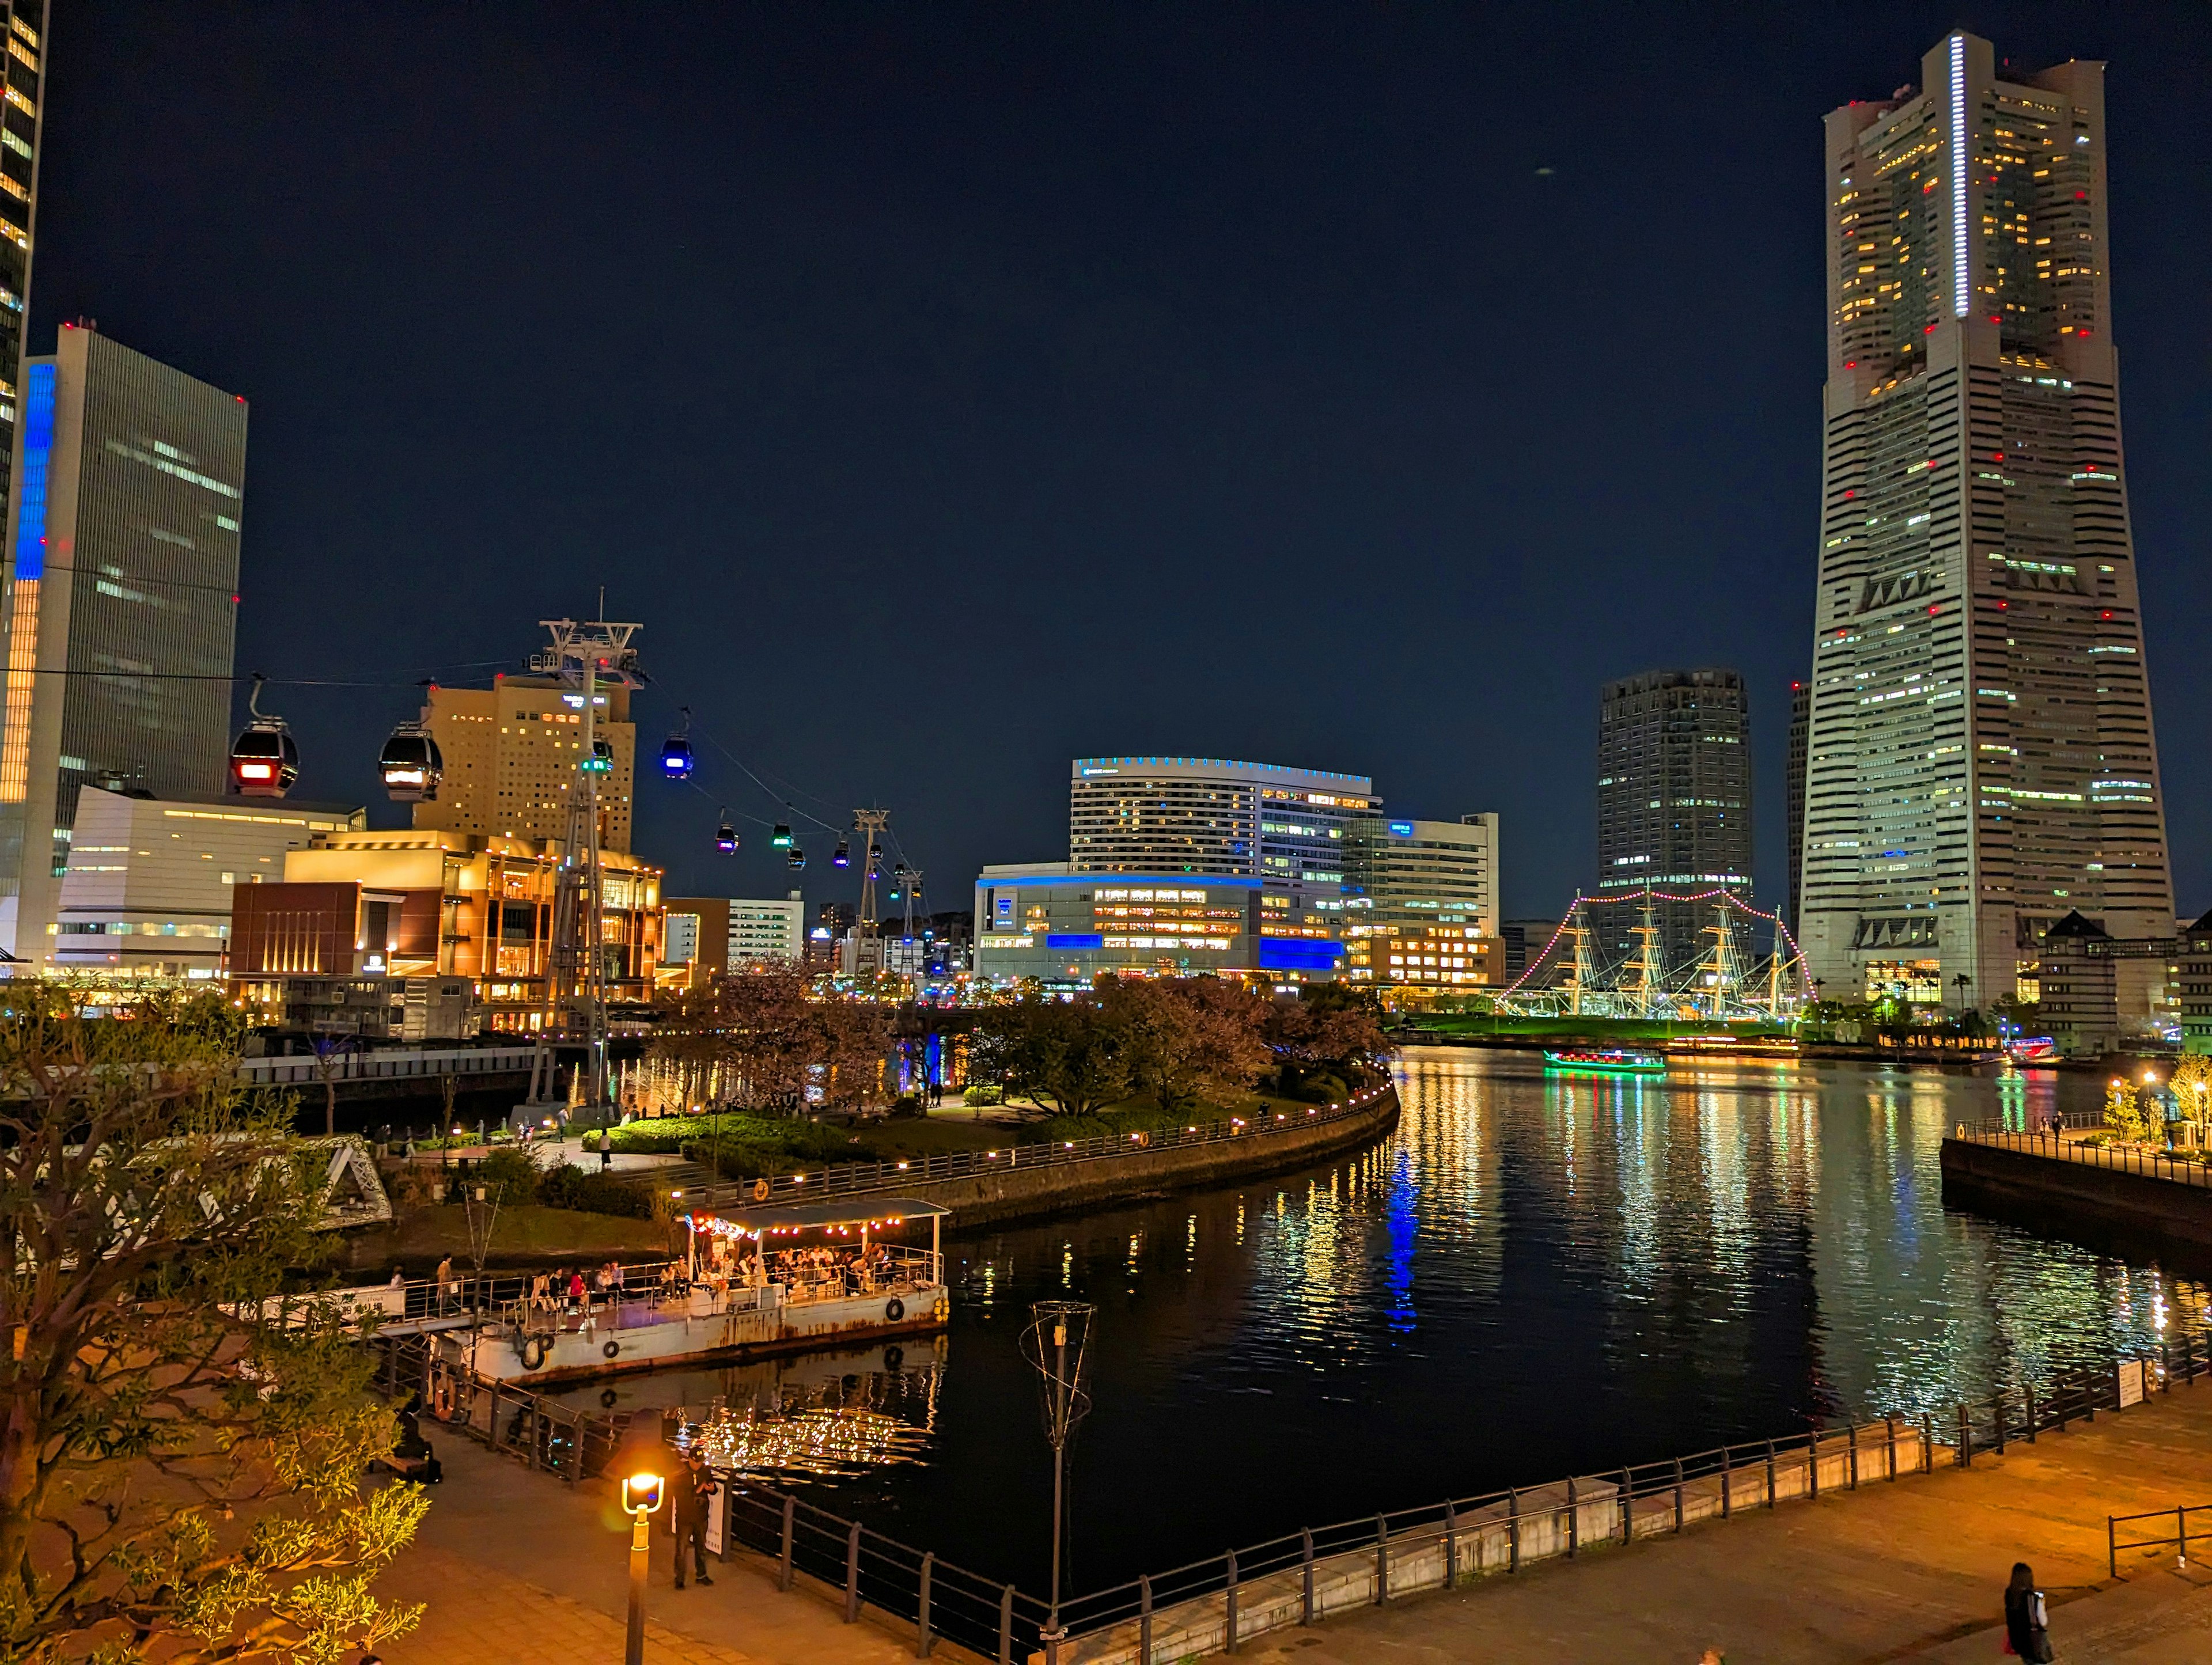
column 1017, row 1193
column 2024, row 1184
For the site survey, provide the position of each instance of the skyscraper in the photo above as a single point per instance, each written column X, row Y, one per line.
column 122, row 603
column 1673, row 801
column 1982, row 759
column 511, row 752
column 22, row 98
column 1793, row 794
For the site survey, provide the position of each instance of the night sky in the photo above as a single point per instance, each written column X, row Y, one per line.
column 954, row 391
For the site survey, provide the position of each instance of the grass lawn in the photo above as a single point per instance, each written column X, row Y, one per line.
column 530, row 1232
column 1603, row 1028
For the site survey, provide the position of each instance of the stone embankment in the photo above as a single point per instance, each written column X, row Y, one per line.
column 2058, row 1181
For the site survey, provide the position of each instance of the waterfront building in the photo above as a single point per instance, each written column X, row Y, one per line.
column 1416, row 872
column 1047, row 921
column 147, row 895
column 355, row 907
column 121, row 603
column 511, row 752
column 1982, row 762
column 718, row 933
column 1525, row 941
column 1793, row 806
column 1424, row 959
column 1673, row 802
column 22, row 102
column 2191, row 985
column 1213, row 818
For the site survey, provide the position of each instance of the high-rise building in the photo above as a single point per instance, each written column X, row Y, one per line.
column 1208, row 817
column 1417, row 872
column 22, row 100
column 1793, row 791
column 1981, row 755
column 131, row 476
column 1673, row 802
column 511, row 752
column 768, row 929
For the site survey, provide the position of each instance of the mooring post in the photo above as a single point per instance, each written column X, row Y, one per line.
column 923, row 1641
column 1381, row 1561
column 1678, row 1494
column 1145, row 1619
column 1305, row 1577
column 1451, row 1549
column 790, row 1527
column 1574, row 1521
column 853, row 1575
column 1230, row 1628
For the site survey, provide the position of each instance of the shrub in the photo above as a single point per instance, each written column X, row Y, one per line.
column 907, row 1107
column 570, row 1187
column 983, row 1093
column 514, row 1168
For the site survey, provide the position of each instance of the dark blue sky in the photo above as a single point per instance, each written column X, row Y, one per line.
column 953, row 391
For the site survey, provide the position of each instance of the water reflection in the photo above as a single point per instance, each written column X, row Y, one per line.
column 1536, row 1275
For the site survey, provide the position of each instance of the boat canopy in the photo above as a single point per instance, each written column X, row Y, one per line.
column 874, row 1211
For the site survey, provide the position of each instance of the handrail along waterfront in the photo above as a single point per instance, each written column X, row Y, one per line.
column 2180, row 1538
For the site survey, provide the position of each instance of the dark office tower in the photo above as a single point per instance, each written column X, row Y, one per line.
column 1801, row 722
column 121, row 603
column 1673, row 803
column 1982, row 760
column 20, row 101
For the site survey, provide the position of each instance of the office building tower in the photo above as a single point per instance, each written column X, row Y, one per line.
column 1417, row 872
column 21, row 100
column 763, row 931
column 1674, row 803
column 1981, row 755
column 123, row 537
column 1801, row 726
column 511, row 752
column 1210, row 818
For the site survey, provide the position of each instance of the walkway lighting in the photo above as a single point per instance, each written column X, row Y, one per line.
column 640, row 1499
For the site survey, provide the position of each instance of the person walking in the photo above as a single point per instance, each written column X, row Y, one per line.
column 695, row 1484
column 445, row 1285
column 2027, row 1627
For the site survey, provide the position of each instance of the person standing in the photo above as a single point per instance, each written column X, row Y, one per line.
column 445, row 1285
column 2027, row 1626
column 695, row 1486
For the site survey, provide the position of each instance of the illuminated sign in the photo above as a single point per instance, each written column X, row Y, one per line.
column 1401, row 829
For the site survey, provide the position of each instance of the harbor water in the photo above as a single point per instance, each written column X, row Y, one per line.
column 1538, row 1273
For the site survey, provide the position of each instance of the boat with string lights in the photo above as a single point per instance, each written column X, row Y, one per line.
column 1606, row 1060
column 753, row 1283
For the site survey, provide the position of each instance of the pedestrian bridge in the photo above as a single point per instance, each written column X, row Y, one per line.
column 394, row 1070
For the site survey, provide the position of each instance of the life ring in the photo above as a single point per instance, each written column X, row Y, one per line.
column 607, row 1397
column 531, row 1353
column 612, row 1350
column 893, row 1358
column 760, row 1190
column 894, row 1309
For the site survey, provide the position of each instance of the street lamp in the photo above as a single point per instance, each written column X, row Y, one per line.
column 640, row 1501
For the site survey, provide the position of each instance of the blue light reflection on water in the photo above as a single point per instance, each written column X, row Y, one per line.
column 1534, row 1275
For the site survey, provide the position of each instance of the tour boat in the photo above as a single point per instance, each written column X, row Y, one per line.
column 887, row 1290
column 1609, row 1060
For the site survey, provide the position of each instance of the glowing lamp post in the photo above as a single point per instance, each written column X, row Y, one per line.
column 641, row 1500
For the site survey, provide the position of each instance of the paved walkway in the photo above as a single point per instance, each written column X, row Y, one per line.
column 518, row 1570
column 1913, row 1570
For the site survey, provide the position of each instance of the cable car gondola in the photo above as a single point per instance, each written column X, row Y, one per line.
column 265, row 760
column 602, row 760
column 675, row 760
column 796, row 860
column 842, row 857
column 725, row 838
column 411, row 765
column 781, row 836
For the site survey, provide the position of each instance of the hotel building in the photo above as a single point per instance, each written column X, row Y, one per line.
column 1981, row 757
column 511, row 752
column 1046, row 922
column 1421, row 903
column 123, row 540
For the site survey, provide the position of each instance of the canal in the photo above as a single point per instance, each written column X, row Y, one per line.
column 1536, row 1274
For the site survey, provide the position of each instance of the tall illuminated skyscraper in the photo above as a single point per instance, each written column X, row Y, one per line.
column 22, row 96
column 121, row 611
column 1981, row 755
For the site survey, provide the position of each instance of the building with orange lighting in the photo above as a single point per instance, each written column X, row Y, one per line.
column 511, row 752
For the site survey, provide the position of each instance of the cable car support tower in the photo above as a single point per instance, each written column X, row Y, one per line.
column 587, row 657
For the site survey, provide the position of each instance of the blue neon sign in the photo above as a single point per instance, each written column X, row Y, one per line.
column 38, row 450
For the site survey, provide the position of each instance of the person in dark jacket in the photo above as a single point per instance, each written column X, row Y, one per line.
column 692, row 1486
column 2027, row 1627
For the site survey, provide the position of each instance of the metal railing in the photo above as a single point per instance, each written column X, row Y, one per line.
column 860, row 1178
column 1216, row 1603
column 383, row 1066
column 561, row 1439
column 2123, row 1158
column 2178, row 1541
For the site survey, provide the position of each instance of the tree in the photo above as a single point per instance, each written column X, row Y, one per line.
column 180, row 1466
column 2191, row 1082
column 1063, row 1054
column 330, row 1053
column 1183, row 1038
column 1328, row 1029
column 2123, row 1115
column 759, row 1036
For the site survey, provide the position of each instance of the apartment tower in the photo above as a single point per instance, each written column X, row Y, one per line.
column 1981, row 759
column 1674, row 805
column 123, row 542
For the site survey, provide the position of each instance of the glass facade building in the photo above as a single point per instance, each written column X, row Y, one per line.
column 121, row 607
column 22, row 97
column 1981, row 760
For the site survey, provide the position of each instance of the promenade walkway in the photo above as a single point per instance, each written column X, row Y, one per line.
column 1912, row 1571
column 519, row 1570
